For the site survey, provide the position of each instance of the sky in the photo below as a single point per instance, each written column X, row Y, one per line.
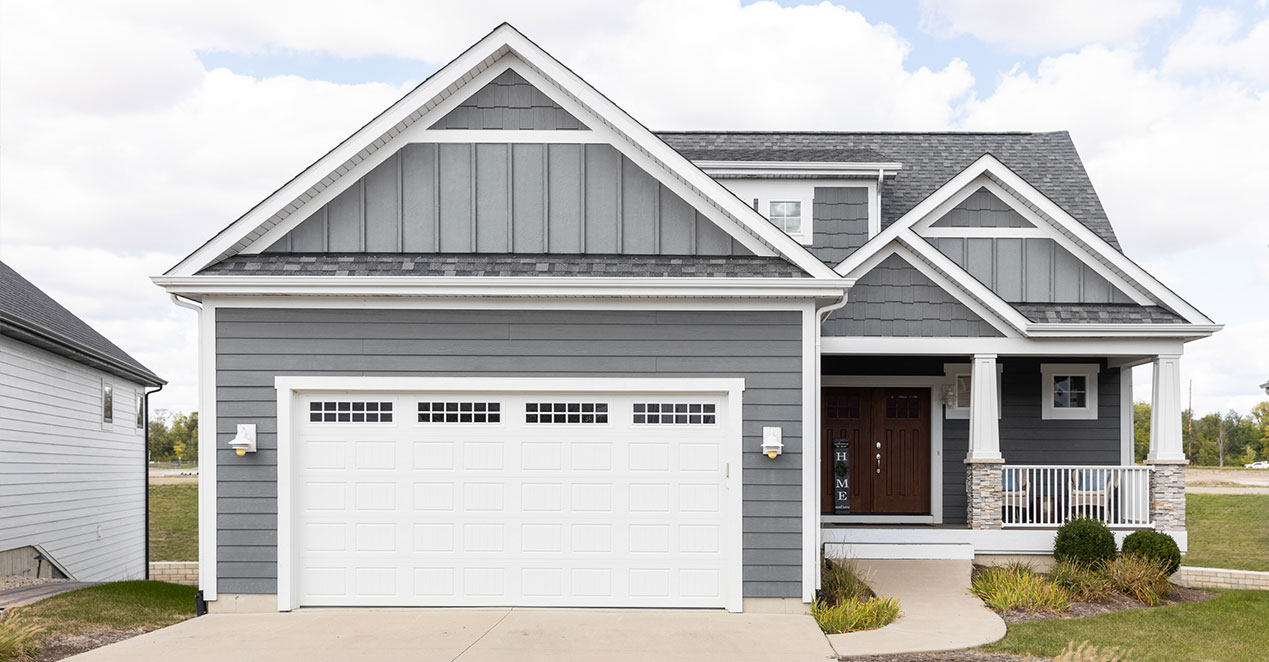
column 131, row 131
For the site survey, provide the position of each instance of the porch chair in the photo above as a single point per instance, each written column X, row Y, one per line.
column 1092, row 492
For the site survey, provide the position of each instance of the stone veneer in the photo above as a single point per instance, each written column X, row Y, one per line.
column 985, row 488
column 1167, row 495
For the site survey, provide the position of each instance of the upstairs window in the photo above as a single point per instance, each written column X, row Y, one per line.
column 140, row 411
column 787, row 215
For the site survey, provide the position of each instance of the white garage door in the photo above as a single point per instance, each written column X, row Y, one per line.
column 528, row 499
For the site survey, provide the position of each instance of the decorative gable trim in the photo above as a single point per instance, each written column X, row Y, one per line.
column 990, row 173
column 501, row 49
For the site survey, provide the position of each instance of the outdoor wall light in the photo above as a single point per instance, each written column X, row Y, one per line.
column 245, row 442
column 949, row 395
column 771, row 443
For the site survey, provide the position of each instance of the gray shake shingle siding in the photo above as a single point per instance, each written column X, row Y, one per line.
column 602, row 266
column 509, row 102
column 840, row 220
column 1048, row 161
column 254, row 345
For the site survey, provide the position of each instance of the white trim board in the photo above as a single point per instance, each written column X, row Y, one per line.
column 1054, row 215
column 207, row 538
column 289, row 386
column 984, row 541
column 434, row 95
column 875, row 345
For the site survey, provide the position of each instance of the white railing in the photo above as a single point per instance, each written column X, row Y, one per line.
column 1040, row 496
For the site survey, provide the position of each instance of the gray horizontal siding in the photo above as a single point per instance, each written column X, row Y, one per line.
column 495, row 198
column 982, row 209
column 1030, row 270
column 256, row 345
column 840, row 217
column 509, row 102
column 897, row 300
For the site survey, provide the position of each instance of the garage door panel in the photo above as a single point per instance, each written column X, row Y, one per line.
column 508, row 510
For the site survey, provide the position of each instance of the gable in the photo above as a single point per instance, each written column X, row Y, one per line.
column 534, row 198
column 894, row 299
column 512, row 103
column 1029, row 270
column 982, row 209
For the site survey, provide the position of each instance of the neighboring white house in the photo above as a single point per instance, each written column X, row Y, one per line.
column 72, row 443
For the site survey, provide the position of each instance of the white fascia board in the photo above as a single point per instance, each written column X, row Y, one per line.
column 527, row 286
column 1084, row 347
column 446, row 81
column 1078, row 330
column 796, row 168
column 990, row 164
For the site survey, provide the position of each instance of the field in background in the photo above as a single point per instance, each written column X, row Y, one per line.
column 174, row 522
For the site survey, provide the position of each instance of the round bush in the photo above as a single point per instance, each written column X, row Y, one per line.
column 1155, row 546
column 1084, row 540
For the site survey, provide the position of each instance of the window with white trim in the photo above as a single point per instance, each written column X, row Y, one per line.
column 786, row 215
column 140, row 411
column 107, row 403
column 1068, row 391
column 961, row 376
column 566, row 412
column 350, row 411
column 460, row 412
column 675, row 413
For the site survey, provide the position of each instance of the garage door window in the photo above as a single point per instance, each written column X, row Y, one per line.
column 460, row 412
column 566, row 412
column 677, row 413
column 350, row 411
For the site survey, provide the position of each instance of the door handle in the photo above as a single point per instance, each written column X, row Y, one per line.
column 878, row 462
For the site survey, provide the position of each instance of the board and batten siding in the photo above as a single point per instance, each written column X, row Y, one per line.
column 70, row 482
column 254, row 345
column 508, row 198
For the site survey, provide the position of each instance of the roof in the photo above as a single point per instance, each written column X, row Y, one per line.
column 1097, row 313
column 801, row 155
column 30, row 315
column 1048, row 161
column 477, row 265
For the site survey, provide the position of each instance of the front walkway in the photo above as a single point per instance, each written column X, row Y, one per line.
column 479, row 635
column 938, row 613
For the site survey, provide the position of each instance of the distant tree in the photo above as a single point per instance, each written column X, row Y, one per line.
column 1140, row 430
column 173, row 435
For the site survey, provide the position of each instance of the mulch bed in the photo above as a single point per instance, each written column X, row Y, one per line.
column 1116, row 602
column 62, row 647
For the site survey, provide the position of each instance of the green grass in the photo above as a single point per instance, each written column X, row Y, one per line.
column 1227, row 531
column 174, row 522
column 1229, row 627
column 139, row 605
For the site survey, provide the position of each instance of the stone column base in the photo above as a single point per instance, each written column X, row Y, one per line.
column 1167, row 494
column 984, row 487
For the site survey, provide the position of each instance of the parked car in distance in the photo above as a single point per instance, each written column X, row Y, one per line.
column 1263, row 464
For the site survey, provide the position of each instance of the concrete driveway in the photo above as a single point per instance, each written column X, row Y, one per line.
column 472, row 635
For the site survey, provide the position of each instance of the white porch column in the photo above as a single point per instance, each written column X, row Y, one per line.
column 984, row 417
column 1167, row 455
column 983, row 481
column 1165, row 410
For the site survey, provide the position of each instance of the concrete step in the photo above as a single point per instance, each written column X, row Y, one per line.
column 914, row 551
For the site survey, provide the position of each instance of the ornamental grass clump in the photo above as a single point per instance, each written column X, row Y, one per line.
column 1156, row 546
column 846, row 602
column 1084, row 540
column 1143, row 579
column 1018, row 586
column 19, row 640
column 1084, row 583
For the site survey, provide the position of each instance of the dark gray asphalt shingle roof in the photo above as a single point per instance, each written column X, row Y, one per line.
column 1048, row 161
column 1097, row 313
column 29, row 309
column 383, row 264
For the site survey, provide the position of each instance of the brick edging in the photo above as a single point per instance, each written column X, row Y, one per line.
column 1221, row 578
column 175, row 572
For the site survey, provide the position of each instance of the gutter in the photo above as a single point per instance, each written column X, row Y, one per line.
column 75, row 350
column 1079, row 330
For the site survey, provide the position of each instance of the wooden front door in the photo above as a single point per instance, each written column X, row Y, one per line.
column 888, row 436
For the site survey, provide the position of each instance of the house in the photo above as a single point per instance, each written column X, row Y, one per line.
column 72, row 444
column 506, row 346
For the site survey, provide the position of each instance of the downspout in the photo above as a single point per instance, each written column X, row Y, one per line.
column 821, row 314
column 145, row 460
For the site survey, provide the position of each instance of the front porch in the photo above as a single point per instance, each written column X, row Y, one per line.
column 985, row 455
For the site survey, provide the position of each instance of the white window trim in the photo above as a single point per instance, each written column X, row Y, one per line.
column 804, row 231
column 1050, row 370
column 956, row 370
column 107, row 415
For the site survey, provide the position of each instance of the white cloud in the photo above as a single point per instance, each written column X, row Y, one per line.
column 1211, row 45
column 1043, row 26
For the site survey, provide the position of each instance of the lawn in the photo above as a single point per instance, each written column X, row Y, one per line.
column 174, row 522
column 137, row 606
column 1227, row 531
column 1229, row 627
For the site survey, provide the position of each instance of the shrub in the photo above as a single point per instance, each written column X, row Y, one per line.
column 18, row 640
column 1084, row 583
column 1144, row 579
column 1154, row 545
column 1087, row 653
column 1084, row 540
column 1019, row 586
column 841, row 580
column 854, row 614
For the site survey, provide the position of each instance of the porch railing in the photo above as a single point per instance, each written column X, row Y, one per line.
column 1040, row 496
